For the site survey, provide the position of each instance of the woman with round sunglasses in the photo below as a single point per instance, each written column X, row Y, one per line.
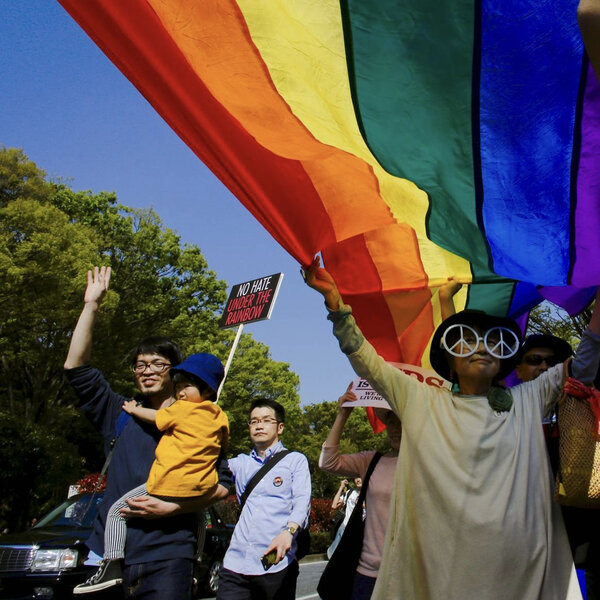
column 472, row 513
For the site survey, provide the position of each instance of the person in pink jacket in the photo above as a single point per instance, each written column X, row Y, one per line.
column 378, row 493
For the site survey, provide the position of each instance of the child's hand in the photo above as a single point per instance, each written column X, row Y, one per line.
column 129, row 406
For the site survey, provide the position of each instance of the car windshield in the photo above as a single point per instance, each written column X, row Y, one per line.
column 77, row 511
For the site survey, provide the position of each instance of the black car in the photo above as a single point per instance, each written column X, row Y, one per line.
column 47, row 561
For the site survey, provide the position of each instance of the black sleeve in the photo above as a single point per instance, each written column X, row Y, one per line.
column 223, row 471
column 96, row 398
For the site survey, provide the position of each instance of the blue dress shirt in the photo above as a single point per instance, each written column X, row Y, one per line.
column 282, row 495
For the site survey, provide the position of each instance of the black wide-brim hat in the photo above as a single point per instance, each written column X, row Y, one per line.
column 562, row 350
column 481, row 320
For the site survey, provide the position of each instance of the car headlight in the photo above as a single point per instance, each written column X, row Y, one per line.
column 54, row 560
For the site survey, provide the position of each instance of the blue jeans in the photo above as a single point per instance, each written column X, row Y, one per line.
column 159, row 580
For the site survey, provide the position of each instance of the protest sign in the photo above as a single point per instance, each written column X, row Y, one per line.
column 367, row 396
column 251, row 301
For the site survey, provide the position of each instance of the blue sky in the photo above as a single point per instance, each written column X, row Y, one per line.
column 74, row 114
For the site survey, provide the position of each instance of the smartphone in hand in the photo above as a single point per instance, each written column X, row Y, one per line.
column 268, row 560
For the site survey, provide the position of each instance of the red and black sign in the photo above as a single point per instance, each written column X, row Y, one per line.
column 251, row 301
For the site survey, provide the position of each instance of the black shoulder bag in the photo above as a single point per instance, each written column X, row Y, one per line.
column 337, row 580
column 303, row 536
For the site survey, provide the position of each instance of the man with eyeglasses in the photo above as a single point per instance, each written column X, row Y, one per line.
column 159, row 554
column 260, row 563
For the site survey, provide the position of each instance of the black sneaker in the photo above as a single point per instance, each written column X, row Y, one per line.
column 110, row 573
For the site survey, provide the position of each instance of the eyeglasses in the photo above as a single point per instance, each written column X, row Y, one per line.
column 265, row 421
column 155, row 367
column 537, row 359
column 499, row 342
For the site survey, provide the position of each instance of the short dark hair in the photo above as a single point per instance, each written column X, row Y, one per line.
column 199, row 383
column 157, row 344
column 277, row 408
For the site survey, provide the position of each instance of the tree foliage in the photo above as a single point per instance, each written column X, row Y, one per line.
column 547, row 318
column 50, row 235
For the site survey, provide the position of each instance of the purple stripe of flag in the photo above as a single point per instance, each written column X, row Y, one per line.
column 586, row 270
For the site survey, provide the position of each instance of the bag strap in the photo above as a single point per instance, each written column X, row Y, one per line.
column 356, row 517
column 363, row 490
column 122, row 420
column 273, row 460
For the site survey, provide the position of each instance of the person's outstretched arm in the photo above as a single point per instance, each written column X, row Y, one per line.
column 150, row 507
column 594, row 324
column 587, row 358
column 391, row 383
column 447, row 293
column 320, row 280
column 80, row 349
column 588, row 16
column 147, row 415
column 337, row 501
column 330, row 459
column 335, row 433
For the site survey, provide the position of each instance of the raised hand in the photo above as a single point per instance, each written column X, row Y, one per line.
column 320, row 280
column 450, row 288
column 447, row 292
column 80, row 348
column 347, row 396
column 97, row 284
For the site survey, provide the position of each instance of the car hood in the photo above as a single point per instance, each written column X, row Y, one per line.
column 51, row 537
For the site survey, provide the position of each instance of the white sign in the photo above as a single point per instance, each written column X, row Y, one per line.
column 367, row 396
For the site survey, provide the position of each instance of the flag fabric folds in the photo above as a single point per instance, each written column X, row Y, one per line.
column 405, row 140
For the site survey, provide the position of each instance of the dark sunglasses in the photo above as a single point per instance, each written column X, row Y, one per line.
column 537, row 359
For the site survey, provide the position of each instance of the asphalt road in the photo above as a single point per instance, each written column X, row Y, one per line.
column 310, row 572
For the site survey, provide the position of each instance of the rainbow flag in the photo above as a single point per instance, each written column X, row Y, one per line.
column 405, row 140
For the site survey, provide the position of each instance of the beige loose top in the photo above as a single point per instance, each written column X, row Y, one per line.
column 472, row 515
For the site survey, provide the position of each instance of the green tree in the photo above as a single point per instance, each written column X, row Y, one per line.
column 19, row 177
column 50, row 235
column 548, row 318
column 33, row 458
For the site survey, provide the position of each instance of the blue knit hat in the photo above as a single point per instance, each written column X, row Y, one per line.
column 204, row 366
